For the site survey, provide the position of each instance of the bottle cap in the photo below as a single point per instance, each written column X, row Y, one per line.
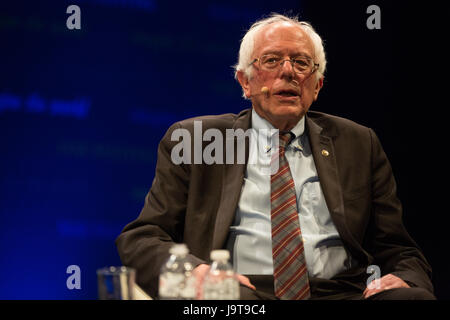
column 179, row 249
column 220, row 255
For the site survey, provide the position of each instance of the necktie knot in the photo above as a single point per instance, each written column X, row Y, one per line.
column 286, row 137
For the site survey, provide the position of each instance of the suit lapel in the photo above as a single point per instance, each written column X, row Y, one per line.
column 322, row 147
column 232, row 180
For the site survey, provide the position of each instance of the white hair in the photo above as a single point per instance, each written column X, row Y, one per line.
column 248, row 42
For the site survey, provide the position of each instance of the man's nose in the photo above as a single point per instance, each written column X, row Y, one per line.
column 287, row 68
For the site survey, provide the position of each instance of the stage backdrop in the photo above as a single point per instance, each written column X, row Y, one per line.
column 82, row 112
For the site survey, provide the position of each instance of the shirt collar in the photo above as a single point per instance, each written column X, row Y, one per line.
column 259, row 123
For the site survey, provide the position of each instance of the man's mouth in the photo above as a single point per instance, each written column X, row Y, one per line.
column 287, row 93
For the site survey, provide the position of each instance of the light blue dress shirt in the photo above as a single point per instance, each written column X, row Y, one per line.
column 250, row 240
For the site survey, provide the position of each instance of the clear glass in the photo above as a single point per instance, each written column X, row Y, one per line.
column 116, row 283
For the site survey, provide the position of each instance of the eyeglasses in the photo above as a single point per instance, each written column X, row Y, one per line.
column 273, row 62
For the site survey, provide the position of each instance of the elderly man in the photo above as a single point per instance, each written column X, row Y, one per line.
column 312, row 229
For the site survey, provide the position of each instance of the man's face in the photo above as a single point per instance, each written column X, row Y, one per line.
column 281, row 109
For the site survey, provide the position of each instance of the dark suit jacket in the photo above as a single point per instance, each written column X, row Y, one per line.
column 195, row 204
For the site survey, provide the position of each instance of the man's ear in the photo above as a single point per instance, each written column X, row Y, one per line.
column 319, row 85
column 243, row 80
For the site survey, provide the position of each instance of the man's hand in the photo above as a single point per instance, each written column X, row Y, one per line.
column 200, row 272
column 386, row 282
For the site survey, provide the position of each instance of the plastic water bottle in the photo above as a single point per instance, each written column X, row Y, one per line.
column 221, row 282
column 176, row 280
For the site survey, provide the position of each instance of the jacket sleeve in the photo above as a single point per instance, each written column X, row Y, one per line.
column 144, row 243
column 392, row 247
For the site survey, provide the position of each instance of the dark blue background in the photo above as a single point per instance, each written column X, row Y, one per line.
column 82, row 112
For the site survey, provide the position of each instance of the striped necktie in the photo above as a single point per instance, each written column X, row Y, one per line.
column 289, row 264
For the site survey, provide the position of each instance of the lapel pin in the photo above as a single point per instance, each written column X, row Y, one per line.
column 325, row 153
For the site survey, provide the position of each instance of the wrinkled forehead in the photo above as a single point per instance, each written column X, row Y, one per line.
column 283, row 37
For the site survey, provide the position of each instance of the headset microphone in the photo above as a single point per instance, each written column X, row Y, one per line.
column 265, row 90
